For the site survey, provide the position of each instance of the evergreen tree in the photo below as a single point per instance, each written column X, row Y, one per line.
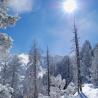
column 6, row 20
column 31, row 79
column 13, row 75
column 86, row 61
column 95, row 67
column 5, row 45
column 64, row 68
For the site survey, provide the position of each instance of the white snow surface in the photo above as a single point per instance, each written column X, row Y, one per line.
column 24, row 58
column 41, row 72
column 89, row 91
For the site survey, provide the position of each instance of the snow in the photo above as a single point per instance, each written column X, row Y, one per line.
column 42, row 72
column 24, row 58
column 5, row 91
column 57, row 85
column 42, row 96
column 88, row 92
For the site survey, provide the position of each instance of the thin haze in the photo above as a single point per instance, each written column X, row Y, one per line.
column 46, row 21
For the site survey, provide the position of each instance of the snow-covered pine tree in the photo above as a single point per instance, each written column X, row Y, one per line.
column 14, row 67
column 31, row 79
column 86, row 61
column 6, row 20
column 68, row 71
column 5, row 45
column 95, row 66
column 73, row 69
column 64, row 68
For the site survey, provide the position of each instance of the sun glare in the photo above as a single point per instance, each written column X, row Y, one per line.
column 70, row 6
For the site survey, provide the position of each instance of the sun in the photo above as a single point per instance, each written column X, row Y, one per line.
column 70, row 6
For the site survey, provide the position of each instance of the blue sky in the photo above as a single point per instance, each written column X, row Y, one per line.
column 47, row 22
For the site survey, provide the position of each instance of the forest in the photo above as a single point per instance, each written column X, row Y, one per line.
column 40, row 74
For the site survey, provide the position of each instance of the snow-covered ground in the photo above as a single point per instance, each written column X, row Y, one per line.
column 88, row 92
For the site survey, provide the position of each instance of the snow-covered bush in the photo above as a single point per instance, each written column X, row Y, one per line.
column 5, row 41
column 71, row 89
column 42, row 96
column 57, row 86
column 5, row 91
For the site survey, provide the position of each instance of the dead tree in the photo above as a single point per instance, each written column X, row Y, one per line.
column 4, row 73
column 31, row 78
column 68, row 71
column 76, row 40
column 48, row 70
column 35, row 61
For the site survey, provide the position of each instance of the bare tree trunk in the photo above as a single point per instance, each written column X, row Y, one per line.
column 68, row 72
column 77, row 58
column 35, row 72
column 12, row 82
column 48, row 69
column 4, row 73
